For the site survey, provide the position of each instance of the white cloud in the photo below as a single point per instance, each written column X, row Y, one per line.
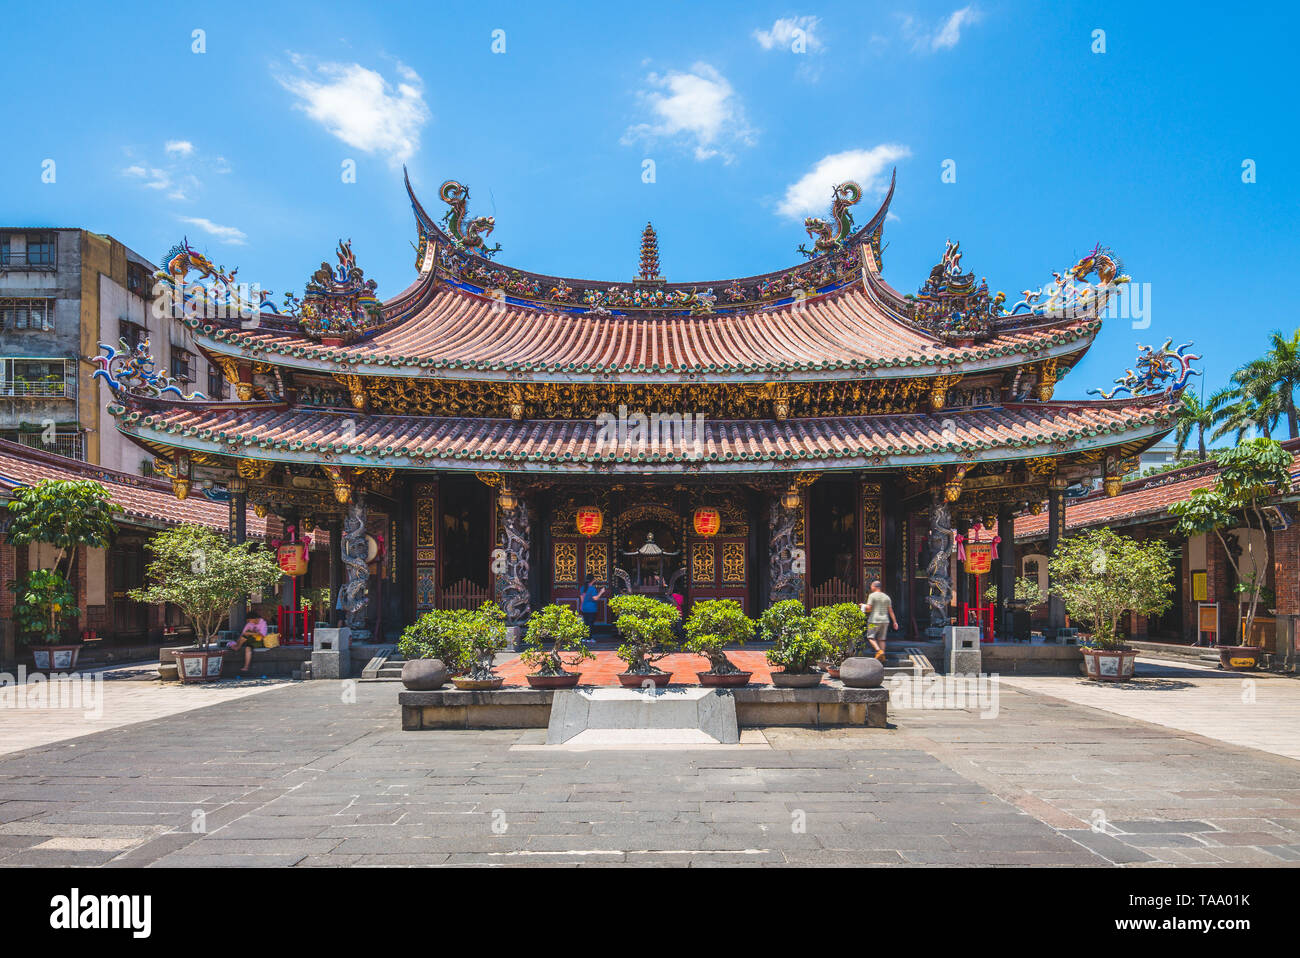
column 699, row 108
column 810, row 195
column 787, row 30
column 360, row 107
column 179, row 147
column 227, row 234
column 943, row 36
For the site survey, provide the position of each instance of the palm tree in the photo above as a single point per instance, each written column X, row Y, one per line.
column 1281, row 366
column 1194, row 415
column 1245, row 406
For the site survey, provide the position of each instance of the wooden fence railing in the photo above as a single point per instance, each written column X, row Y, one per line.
column 831, row 592
column 464, row 595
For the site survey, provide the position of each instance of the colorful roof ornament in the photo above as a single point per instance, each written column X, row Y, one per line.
column 1162, row 369
column 339, row 302
column 951, row 304
column 214, row 294
column 831, row 237
column 1062, row 297
column 468, row 234
column 649, row 254
column 130, row 371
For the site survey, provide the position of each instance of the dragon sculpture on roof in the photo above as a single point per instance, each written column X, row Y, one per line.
column 130, row 371
column 213, row 293
column 469, row 235
column 831, row 238
column 1158, row 370
column 339, row 301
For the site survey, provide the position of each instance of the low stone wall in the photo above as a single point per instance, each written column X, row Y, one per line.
column 1027, row 659
column 756, row 706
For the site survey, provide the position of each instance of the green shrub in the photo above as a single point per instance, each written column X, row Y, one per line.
column 798, row 645
column 439, row 634
column 842, row 626
column 713, row 624
column 44, row 600
column 647, row 628
column 553, row 631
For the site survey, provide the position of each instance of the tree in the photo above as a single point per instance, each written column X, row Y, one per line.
column 842, row 626
column 1248, row 475
column 1100, row 575
column 553, row 631
column 714, row 624
column 647, row 628
column 797, row 644
column 44, row 600
column 202, row 574
column 1193, row 415
column 64, row 513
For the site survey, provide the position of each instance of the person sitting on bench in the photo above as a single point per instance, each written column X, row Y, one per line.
column 254, row 630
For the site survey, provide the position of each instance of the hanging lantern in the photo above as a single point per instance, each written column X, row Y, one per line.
column 707, row 521
column 790, row 499
column 979, row 557
column 292, row 558
column 589, row 520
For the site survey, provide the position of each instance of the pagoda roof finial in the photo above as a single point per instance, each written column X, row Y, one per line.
column 649, row 255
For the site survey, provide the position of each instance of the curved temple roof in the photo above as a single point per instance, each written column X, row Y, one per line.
column 834, row 317
column 278, row 433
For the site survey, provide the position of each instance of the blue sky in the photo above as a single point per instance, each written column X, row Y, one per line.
column 1055, row 147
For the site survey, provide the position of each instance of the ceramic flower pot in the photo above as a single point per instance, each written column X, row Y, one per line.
column 796, row 680
column 712, row 680
column 565, row 681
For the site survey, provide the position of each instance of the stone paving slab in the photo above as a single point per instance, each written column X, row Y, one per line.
column 250, row 781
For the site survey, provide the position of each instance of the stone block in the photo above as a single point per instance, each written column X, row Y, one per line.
column 961, row 646
column 331, row 640
column 585, row 714
column 330, row 664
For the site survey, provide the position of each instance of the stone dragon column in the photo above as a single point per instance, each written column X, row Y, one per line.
column 939, row 571
column 354, row 595
column 787, row 563
column 510, row 559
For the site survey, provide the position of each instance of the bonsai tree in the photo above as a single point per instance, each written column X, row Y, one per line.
column 439, row 635
column 44, row 600
column 1249, row 474
column 842, row 626
column 797, row 644
column 647, row 628
column 200, row 572
column 773, row 622
column 551, row 633
column 483, row 630
column 714, row 624
column 1101, row 574
column 66, row 514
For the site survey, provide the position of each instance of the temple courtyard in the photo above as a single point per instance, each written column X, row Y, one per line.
column 1185, row 765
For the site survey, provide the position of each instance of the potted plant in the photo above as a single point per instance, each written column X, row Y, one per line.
column 483, row 630
column 797, row 646
column 434, row 647
column 712, row 625
column 842, row 625
column 1025, row 595
column 1249, row 474
column 66, row 514
column 1100, row 575
column 44, row 600
column 202, row 573
column 552, row 632
column 647, row 627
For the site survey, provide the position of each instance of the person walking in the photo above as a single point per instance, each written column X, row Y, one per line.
column 880, row 614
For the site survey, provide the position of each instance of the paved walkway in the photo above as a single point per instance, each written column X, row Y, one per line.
column 99, row 699
column 319, row 773
column 1253, row 710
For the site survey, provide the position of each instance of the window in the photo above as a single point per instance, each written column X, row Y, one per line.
column 135, row 279
column 35, row 378
column 133, row 334
column 40, row 249
column 182, row 368
column 4, row 251
column 216, row 383
column 26, row 314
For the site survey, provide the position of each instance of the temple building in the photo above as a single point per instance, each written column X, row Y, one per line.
column 493, row 433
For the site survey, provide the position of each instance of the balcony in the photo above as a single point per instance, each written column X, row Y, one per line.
column 38, row 389
column 22, row 259
column 34, row 377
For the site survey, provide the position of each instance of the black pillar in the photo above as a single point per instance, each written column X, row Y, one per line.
column 1006, row 566
column 1055, row 528
column 238, row 533
column 335, row 528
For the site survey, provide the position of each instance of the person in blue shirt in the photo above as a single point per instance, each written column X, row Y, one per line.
column 590, row 595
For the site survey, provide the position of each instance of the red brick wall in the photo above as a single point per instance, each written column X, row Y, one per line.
column 1286, row 569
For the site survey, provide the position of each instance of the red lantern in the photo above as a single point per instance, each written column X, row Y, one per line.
column 292, row 558
column 590, row 520
column 707, row 521
column 979, row 557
